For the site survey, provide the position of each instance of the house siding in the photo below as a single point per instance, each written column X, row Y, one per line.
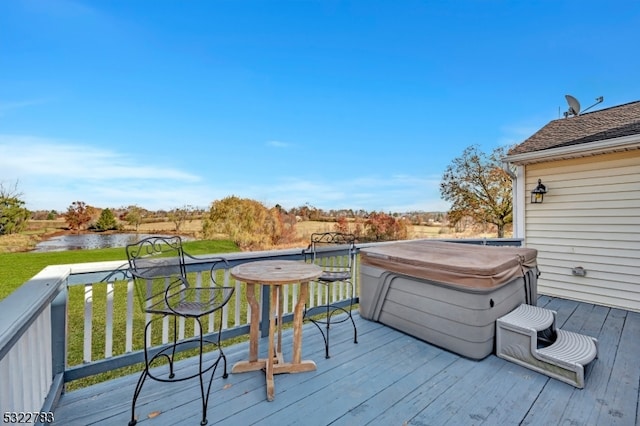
column 590, row 217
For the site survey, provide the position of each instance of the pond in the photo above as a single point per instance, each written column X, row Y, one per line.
column 89, row 241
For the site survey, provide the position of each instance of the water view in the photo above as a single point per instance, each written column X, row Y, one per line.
column 89, row 241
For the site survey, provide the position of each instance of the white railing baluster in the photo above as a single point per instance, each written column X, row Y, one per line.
column 296, row 294
column 196, row 331
column 312, row 293
column 108, row 332
column 147, row 316
column 249, row 309
column 342, row 284
column 88, row 332
column 128, row 346
column 225, row 309
column 210, row 322
column 338, row 284
column 285, row 295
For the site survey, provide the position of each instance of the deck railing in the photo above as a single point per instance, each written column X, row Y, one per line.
column 93, row 306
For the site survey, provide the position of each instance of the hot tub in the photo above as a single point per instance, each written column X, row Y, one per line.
column 447, row 294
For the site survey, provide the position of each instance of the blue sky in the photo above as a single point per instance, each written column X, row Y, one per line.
column 337, row 104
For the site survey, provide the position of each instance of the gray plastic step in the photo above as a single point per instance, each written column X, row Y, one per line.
column 570, row 348
column 529, row 317
column 564, row 359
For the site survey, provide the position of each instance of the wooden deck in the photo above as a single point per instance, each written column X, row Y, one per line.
column 389, row 378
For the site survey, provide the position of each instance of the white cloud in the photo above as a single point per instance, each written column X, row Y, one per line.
column 52, row 174
column 32, row 156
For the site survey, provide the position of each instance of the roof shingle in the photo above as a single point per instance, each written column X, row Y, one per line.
column 608, row 123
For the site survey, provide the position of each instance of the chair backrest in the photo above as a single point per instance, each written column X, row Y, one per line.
column 156, row 263
column 343, row 241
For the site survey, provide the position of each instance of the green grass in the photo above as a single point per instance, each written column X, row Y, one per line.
column 18, row 268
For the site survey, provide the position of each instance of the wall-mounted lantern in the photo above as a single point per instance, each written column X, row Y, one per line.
column 537, row 195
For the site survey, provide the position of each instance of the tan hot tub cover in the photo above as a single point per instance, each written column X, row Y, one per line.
column 466, row 265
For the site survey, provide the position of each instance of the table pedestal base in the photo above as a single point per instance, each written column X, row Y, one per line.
column 277, row 367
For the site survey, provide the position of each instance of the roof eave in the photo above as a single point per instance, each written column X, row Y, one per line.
column 625, row 143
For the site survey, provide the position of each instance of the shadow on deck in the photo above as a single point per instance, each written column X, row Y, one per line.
column 389, row 378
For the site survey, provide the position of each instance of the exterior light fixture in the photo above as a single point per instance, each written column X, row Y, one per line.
column 537, row 195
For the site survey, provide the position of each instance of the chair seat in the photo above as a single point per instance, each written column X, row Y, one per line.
column 331, row 276
column 193, row 302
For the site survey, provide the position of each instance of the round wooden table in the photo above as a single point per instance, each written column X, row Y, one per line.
column 275, row 274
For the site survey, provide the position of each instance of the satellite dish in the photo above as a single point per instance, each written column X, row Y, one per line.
column 574, row 105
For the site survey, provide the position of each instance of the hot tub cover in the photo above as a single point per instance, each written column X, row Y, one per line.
column 466, row 265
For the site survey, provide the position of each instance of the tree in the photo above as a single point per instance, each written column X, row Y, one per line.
column 78, row 215
column 478, row 187
column 13, row 214
column 384, row 227
column 285, row 226
column 180, row 215
column 133, row 216
column 342, row 225
column 250, row 224
column 106, row 221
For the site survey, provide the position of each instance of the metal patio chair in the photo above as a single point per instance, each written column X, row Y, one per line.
column 157, row 265
column 334, row 273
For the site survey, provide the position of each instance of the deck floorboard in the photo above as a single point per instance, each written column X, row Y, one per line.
column 390, row 378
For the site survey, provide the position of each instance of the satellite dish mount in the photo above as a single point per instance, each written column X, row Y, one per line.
column 574, row 106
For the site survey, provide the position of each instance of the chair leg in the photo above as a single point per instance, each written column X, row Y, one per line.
column 330, row 310
column 141, row 379
column 326, row 340
column 355, row 330
column 136, row 393
column 221, row 356
column 329, row 315
column 175, row 344
column 224, row 359
column 205, row 400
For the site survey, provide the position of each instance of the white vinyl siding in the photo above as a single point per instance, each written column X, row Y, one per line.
column 590, row 217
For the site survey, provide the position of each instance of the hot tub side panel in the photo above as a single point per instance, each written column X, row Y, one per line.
column 455, row 318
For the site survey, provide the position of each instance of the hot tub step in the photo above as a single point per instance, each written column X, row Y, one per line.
column 529, row 317
column 571, row 349
column 564, row 359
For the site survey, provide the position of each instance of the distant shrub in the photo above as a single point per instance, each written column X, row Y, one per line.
column 106, row 222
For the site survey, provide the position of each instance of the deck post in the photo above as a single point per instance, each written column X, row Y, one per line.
column 59, row 332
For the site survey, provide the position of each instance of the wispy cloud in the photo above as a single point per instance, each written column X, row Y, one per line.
column 32, row 156
column 52, row 174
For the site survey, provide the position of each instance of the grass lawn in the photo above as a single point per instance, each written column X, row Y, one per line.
column 17, row 268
